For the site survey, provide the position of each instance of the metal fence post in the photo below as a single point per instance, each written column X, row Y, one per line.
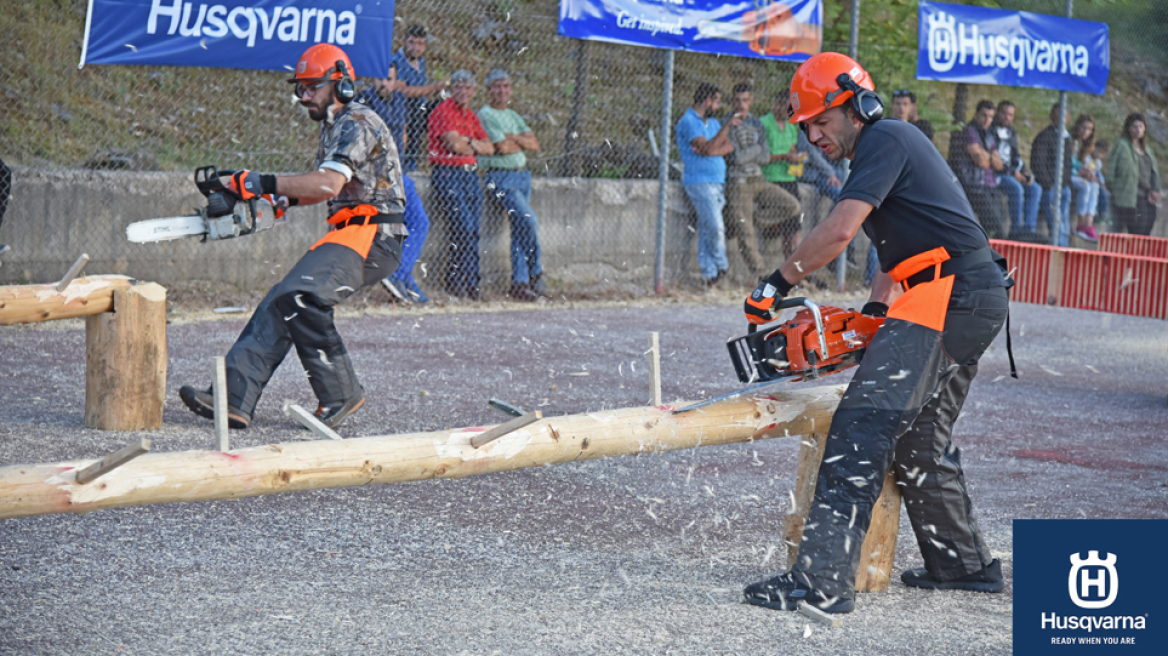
column 1057, row 211
column 663, row 172
column 841, row 263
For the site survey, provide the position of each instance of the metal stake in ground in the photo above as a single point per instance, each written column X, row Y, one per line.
column 654, row 369
column 73, row 271
column 113, row 460
column 220, row 393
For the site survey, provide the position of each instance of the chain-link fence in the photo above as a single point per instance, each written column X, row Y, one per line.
column 593, row 107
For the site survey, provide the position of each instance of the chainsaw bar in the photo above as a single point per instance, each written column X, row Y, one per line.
column 174, row 227
column 849, row 360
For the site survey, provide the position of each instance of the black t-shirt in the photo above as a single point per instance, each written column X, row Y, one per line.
column 919, row 202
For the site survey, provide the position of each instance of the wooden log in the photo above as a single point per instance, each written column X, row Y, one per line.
column 83, row 297
column 27, row 490
column 879, row 548
column 875, row 573
column 125, row 360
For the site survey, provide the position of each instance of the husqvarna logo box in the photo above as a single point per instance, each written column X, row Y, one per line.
column 1090, row 586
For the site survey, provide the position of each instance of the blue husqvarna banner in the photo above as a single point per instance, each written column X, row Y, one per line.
column 791, row 30
column 958, row 43
column 253, row 34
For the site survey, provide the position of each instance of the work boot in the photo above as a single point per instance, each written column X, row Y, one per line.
column 521, row 291
column 538, row 285
column 202, row 403
column 396, row 289
column 988, row 579
column 784, row 592
column 333, row 414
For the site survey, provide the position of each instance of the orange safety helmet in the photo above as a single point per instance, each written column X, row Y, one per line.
column 815, row 87
column 320, row 62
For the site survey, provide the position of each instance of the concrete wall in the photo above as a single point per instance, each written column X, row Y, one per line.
column 593, row 232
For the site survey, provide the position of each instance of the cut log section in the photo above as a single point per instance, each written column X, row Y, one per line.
column 81, row 298
column 27, row 490
column 125, row 361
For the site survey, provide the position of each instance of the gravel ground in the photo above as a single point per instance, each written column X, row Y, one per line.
column 626, row 556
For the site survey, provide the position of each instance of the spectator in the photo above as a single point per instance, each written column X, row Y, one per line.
column 1015, row 181
column 904, row 107
column 1097, row 162
column 702, row 142
column 456, row 137
column 1043, row 160
column 746, row 184
column 1134, row 178
column 401, row 283
column 1083, row 178
column 509, row 184
column 978, row 164
column 411, row 94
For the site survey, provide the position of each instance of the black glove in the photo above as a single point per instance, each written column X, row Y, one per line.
column 760, row 302
column 247, row 185
column 874, row 309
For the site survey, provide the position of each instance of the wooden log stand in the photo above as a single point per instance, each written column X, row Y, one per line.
column 879, row 546
column 125, row 343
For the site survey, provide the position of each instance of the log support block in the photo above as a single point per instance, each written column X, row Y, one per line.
column 879, row 548
column 125, row 361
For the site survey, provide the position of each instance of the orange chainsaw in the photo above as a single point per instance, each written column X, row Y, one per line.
column 814, row 343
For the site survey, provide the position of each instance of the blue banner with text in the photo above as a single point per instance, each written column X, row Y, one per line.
column 791, row 30
column 266, row 35
column 958, row 43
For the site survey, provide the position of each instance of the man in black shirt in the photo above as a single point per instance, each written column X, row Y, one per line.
column 900, row 407
column 1043, row 161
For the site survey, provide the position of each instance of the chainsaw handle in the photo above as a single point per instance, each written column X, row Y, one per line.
column 800, row 301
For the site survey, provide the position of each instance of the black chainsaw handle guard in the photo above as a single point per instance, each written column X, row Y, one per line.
column 799, row 301
column 220, row 200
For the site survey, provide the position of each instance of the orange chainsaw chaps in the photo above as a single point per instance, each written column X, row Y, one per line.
column 925, row 304
column 357, row 237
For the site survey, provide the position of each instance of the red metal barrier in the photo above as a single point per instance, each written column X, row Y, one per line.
column 1088, row 280
column 1115, row 242
column 1122, row 284
column 1031, row 266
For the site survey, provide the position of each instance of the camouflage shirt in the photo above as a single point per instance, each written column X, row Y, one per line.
column 357, row 139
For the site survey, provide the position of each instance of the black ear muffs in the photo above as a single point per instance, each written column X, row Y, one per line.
column 867, row 105
column 344, row 88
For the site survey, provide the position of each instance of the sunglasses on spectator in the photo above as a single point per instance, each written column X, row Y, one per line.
column 302, row 89
column 902, row 93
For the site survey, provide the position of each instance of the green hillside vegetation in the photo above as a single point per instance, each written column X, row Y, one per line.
column 52, row 114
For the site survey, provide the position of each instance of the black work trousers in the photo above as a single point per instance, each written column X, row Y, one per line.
column 899, row 410
column 298, row 312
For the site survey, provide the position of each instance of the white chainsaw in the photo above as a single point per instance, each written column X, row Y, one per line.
column 224, row 217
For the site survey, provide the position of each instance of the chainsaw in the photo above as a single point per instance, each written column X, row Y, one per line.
column 226, row 216
column 814, row 343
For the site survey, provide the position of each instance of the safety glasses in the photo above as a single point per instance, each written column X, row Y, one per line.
column 301, row 89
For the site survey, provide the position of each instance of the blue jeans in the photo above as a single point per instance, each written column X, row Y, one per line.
column 459, row 195
column 512, row 191
column 419, row 226
column 1087, row 196
column 708, row 199
column 1103, row 211
column 1048, row 206
column 1023, row 201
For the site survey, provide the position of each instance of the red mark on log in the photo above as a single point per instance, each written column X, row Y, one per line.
column 233, row 456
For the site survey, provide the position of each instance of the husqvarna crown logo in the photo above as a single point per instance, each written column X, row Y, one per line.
column 1093, row 583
